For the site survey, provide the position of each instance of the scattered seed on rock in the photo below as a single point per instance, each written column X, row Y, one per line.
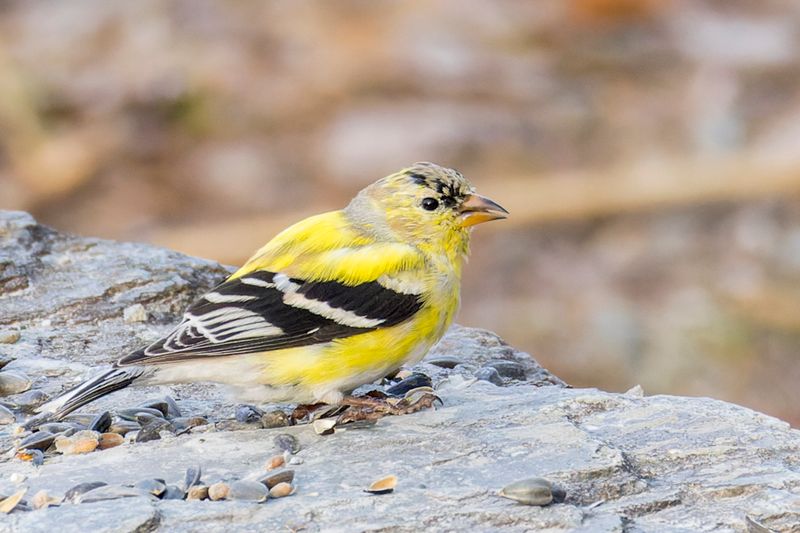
column 41, row 440
column 183, row 423
column 218, row 491
column 192, row 477
column 275, row 461
column 134, row 313
column 152, row 431
column 508, row 369
column 81, row 421
column 123, row 427
column 286, row 442
column 533, row 491
column 110, row 440
column 29, row 400
column 145, row 418
column 101, row 422
column 132, row 414
column 159, row 405
column 248, row 491
column 274, row 419
column 156, row 487
column 43, row 500
column 8, row 504
column 248, row 414
column 559, row 494
column 30, row 456
column 111, row 492
column 324, row 426
column 636, row 391
column 12, row 382
column 280, row 490
column 444, row 361
column 172, row 407
column 75, row 492
column 173, row 492
column 197, row 492
column 6, row 416
column 84, row 441
column 489, row 374
column 284, row 476
column 9, row 336
column 414, row 381
column 402, row 374
column 233, row 425
column 57, row 427
column 67, row 432
column 415, row 395
column 384, row 485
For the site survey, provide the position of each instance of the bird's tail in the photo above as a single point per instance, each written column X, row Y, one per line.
column 90, row 390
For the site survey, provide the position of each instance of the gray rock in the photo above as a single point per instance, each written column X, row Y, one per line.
column 489, row 374
column 6, row 416
column 653, row 463
column 110, row 516
column 13, row 382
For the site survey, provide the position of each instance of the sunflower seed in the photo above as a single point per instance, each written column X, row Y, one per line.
column 286, row 442
column 533, row 491
column 385, row 485
column 246, row 490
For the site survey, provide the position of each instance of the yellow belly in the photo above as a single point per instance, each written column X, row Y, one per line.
column 344, row 364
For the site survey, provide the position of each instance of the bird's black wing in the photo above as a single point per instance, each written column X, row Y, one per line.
column 263, row 311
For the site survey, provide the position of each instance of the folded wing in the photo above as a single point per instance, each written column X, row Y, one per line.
column 262, row 311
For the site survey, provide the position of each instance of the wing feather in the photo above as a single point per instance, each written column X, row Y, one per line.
column 262, row 311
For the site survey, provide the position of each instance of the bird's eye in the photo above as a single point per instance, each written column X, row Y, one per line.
column 430, row 204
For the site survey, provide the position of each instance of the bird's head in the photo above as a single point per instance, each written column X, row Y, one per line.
column 430, row 206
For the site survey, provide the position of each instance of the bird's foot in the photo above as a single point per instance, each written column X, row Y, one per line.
column 371, row 408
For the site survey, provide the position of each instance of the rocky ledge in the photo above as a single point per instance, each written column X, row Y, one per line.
column 627, row 462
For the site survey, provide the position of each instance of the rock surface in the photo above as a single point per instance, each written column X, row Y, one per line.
column 627, row 462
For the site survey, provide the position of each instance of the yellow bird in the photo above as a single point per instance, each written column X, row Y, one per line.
column 331, row 303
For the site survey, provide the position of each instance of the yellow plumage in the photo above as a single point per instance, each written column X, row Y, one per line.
column 335, row 301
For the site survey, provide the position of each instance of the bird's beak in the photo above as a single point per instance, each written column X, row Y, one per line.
column 477, row 209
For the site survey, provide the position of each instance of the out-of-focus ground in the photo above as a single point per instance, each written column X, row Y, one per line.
column 649, row 151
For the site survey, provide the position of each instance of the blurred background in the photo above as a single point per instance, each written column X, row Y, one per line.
column 649, row 151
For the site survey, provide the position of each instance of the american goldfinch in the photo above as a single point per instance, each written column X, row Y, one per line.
column 331, row 303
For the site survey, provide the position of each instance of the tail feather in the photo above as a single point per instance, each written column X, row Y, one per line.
column 90, row 390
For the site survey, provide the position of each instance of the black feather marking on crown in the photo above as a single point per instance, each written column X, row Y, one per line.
column 448, row 192
column 419, row 179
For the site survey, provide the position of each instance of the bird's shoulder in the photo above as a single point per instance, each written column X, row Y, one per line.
column 330, row 247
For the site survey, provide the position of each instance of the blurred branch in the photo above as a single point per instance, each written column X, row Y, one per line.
column 534, row 200
column 643, row 187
